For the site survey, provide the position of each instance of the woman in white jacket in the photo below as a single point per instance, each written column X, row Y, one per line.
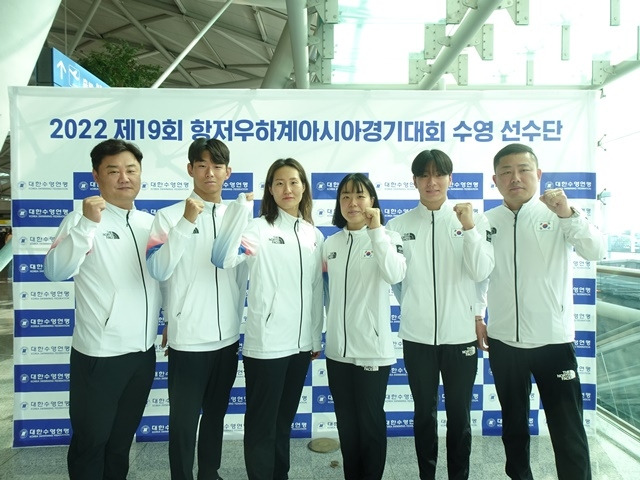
column 361, row 261
column 283, row 331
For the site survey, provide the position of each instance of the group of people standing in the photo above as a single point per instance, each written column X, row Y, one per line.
column 197, row 258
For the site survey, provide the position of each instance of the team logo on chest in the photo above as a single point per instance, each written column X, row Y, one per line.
column 111, row 235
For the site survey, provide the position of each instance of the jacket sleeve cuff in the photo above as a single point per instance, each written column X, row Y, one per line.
column 472, row 235
column 185, row 227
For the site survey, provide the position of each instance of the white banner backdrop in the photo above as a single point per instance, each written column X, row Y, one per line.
column 331, row 133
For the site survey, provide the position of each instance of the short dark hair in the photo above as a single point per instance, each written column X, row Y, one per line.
column 113, row 146
column 440, row 160
column 218, row 150
column 359, row 182
column 511, row 149
column 269, row 208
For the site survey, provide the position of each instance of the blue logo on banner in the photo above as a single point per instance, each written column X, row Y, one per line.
column 34, row 433
column 44, row 323
column 84, row 185
column 301, row 426
column 28, row 268
column 325, row 185
column 39, row 213
column 322, row 399
column 487, row 374
column 395, row 208
column 399, row 424
column 476, row 397
column 161, row 377
column 492, row 423
column 241, row 182
column 465, row 186
column 152, row 206
column 574, row 184
column 41, row 378
column 489, row 204
column 395, row 318
column 585, row 344
column 153, row 429
column 584, row 291
column 588, row 396
column 237, row 400
column 398, row 373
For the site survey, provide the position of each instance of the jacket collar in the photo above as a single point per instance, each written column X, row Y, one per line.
column 444, row 209
column 208, row 205
column 120, row 212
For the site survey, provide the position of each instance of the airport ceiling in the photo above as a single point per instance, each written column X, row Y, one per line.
column 361, row 44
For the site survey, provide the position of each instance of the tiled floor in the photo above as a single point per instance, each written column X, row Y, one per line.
column 614, row 455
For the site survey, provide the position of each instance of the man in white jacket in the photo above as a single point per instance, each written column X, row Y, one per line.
column 203, row 307
column 531, row 324
column 113, row 357
column 448, row 250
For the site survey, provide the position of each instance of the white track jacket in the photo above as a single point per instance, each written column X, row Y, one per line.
column 360, row 266
column 117, row 300
column 203, row 305
column 530, row 296
column 284, row 311
column 438, row 294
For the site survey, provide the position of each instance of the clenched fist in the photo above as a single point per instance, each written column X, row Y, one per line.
column 464, row 212
column 192, row 208
column 556, row 200
column 371, row 217
column 92, row 208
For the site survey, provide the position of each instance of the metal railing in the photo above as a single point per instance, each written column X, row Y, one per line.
column 618, row 342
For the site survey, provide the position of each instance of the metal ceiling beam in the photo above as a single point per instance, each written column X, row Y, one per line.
column 472, row 22
column 279, row 72
column 299, row 28
column 230, row 30
column 83, row 28
column 193, row 43
column 154, row 42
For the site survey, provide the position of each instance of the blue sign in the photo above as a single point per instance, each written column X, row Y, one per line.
column 84, row 185
column 398, row 373
column 44, row 323
column 399, row 424
column 41, row 378
column 394, row 208
column 584, row 291
column 574, row 184
column 322, row 399
column 32, row 433
column 40, row 213
column 325, row 185
column 465, row 186
column 585, row 344
column 237, row 400
column 237, row 183
column 153, row 429
column 28, row 268
column 67, row 73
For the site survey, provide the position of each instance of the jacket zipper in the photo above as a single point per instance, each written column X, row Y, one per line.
column 215, row 234
column 295, row 231
column 144, row 285
column 435, row 288
column 344, row 307
column 515, row 274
